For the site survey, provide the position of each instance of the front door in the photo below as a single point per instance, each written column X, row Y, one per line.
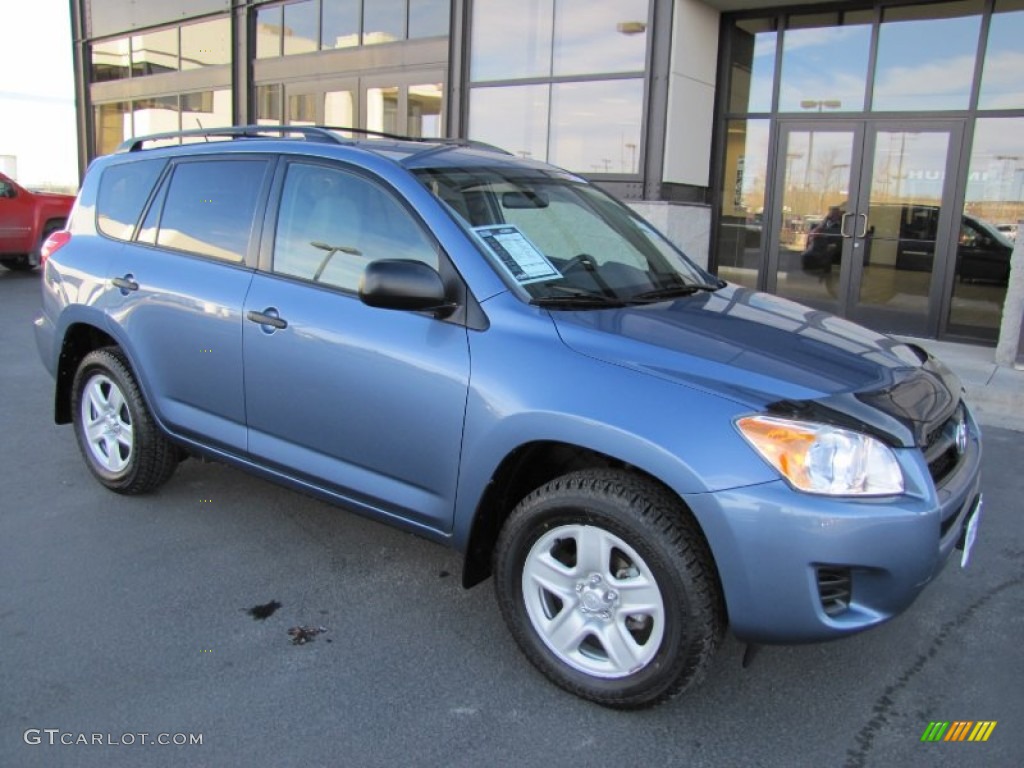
column 865, row 227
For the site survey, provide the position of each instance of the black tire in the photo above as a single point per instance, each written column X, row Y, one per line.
column 653, row 548
column 125, row 449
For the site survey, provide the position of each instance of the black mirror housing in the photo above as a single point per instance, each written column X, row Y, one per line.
column 404, row 284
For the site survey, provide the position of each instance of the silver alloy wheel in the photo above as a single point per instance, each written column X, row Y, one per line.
column 593, row 601
column 107, row 423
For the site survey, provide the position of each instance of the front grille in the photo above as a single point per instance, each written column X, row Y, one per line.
column 835, row 589
column 940, row 448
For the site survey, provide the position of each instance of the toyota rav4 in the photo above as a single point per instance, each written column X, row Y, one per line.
column 493, row 353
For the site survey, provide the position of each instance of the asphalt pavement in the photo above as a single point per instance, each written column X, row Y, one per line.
column 128, row 616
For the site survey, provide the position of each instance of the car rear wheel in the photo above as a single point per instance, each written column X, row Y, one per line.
column 121, row 444
column 608, row 587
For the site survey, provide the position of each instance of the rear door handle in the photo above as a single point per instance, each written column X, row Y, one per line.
column 126, row 283
column 268, row 317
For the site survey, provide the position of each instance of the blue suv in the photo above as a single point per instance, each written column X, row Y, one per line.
column 492, row 353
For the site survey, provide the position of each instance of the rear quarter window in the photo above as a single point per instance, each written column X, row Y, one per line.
column 210, row 206
column 124, row 190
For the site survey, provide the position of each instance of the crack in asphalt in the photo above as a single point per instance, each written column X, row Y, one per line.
column 857, row 758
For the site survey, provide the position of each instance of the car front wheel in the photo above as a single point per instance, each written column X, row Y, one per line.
column 608, row 587
column 122, row 445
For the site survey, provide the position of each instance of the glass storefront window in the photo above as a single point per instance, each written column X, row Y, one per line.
column 301, row 27
column 268, row 32
column 113, row 124
column 155, row 115
column 382, row 109
column 595, row 126
column 383, row 21
column 340, row 108
column 206, row 44
column 155, row 52
column 340, row 23
column 509, row 44
column 752, row 69
column 1002, row 86
column 926, row 56
column 424, row 110
column 268, row 104
column 205, row 109
column 514, row 118
column 824, row 67
column 428, row 18
column 599, row 37
column 301, row 109
column 994, row 203
column 110, row 60
column 741, row 227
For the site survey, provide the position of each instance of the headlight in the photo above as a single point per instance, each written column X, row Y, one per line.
column 819, row 458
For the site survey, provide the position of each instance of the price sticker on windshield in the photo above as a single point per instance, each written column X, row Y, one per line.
column 520, row 258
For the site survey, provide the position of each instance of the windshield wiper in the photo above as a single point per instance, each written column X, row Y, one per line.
column 575, row 299
column 672, row 292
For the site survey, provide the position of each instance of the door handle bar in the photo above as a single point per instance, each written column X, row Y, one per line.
column 842, row 225
column 864, row 226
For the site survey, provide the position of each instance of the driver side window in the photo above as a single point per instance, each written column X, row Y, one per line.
column 6, row 190
column 332, row 223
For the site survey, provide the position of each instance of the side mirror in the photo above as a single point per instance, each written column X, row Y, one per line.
column 404, row 284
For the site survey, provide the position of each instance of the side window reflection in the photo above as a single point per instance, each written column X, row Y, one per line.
column 331, row 224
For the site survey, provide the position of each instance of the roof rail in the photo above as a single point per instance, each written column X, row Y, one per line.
column 307, row 132
column 324, row 133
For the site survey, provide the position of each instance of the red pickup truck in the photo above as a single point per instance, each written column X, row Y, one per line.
column 26, row 220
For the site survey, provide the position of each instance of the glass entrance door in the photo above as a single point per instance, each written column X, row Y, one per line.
column 864, row 225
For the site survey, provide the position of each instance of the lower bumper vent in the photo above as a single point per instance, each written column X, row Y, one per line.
column 835, row 588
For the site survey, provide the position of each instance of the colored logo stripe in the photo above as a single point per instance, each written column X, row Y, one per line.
column 958, row 730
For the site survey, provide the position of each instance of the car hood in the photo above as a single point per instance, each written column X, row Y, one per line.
column 775, row 355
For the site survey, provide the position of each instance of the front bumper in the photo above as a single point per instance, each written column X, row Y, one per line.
column 801, row 568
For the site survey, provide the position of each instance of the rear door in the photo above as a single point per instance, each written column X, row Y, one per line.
column 16, row 212
column 176, row 288
column 368, row 403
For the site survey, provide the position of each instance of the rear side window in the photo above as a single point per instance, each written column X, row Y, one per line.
column 210, row 206
column 124, row 190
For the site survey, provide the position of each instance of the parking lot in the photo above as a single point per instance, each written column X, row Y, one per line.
column 128, row 616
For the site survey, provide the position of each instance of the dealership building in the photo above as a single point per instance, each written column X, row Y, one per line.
column 864, row 158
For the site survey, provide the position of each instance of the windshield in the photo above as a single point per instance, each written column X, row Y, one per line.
column 563, row 241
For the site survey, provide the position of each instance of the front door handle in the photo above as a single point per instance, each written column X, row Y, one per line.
column 863, row 226
column 842, row 225
column 126, row 283
column 268, row 316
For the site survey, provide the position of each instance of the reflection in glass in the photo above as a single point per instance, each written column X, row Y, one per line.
column 113, row 125
column 824, row 66
column 753, row 65
column 339, row 108
column 907, row 178
column 1002, row 86
column 268, row 32
column 428, row 18
column 301, row 109
column 382, row 109
column 383, row 21
column 205, row 109
column 925, row 62
column 601, row 37
column 340, row 24
column 110, row 60
column 994, row 203
column 815, row 196
column 424, row 110
column 205, row 44
column 509, row 43
column 156, row 115
column 155, row 52
column 300, row 27
column 268, row 104
column 743, row 189
column 514, row 118
column 595, row 126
